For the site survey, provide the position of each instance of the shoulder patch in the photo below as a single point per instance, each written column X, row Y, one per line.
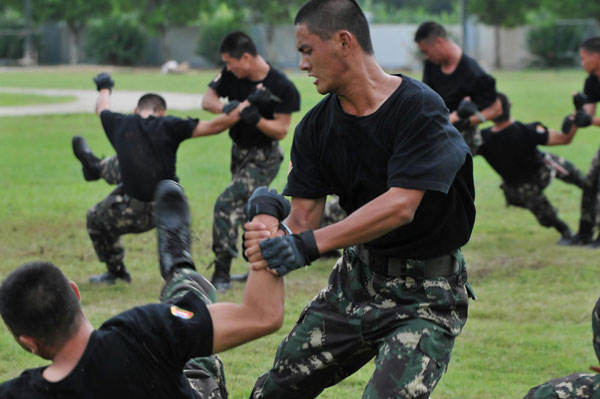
column 181, row 313
column 216, row 79
column 540, row 129
column 290, row 167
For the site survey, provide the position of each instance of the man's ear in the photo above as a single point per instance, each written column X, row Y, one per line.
column 346, row 40
column 28, row 343
column 75, row 290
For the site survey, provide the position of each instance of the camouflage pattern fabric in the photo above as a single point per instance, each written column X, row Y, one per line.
column 205, row 374
column 333, row 212
column 472, row 137
column 596, row 328
column 589, row 198
column 574, row 386
column 109, row 170
column 250, row 168
column 530, row 194
column 116, row 215
column 408, row 325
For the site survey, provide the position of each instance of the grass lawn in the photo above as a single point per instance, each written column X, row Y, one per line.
column 530, row 323
column 13, row 99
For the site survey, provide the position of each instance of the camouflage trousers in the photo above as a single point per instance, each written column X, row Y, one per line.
column 472, row 137
column 530, row 195
column 250, row 168
column 333, row 212
column 205, row 374
column 574, row 386
column 590, row 196
column 114, row 216
column 109, row 170
column 408, row 325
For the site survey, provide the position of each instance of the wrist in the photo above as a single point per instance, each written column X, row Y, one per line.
column 479, row 115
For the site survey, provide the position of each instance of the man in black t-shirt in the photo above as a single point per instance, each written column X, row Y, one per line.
column 454, row 75
column 146, row 144
column 255, row 152
column 149, row 351
column 590, row 60
column 384, row 145
column 511, row 149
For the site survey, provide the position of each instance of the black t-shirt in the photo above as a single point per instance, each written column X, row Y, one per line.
column 138, row 354
column 468, row 79
column 408, row 143
column 146, row 148
column 592, row 89
column 512, row 152
column 226, row 84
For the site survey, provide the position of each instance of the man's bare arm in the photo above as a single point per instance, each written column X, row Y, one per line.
column 275, row 128
column 103, row 101
column 211, row 102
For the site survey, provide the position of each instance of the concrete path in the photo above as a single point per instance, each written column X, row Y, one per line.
column 120, row 101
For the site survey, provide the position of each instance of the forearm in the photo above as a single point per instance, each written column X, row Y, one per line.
column 391, row 210
column 103, row 101
column 273, row 128
column 489, row 113
column 306, row 214
column 216, row 125
column 211, row 102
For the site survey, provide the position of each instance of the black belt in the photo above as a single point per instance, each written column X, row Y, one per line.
column 440, row 266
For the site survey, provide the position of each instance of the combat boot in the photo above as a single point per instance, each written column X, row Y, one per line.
column 116, row 271
column 221, row 279
column 577, row 239
column 89, row 162
column 172, row 217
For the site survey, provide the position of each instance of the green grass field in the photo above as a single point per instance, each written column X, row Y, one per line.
column 531, row 321
column 15, row 100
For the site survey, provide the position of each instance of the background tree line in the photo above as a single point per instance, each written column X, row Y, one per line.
column 117, row 29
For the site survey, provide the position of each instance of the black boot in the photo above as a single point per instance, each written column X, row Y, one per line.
column 221, row 279
column 172, row 216
column 116, row 271
column 89, row 162
column 577, row 239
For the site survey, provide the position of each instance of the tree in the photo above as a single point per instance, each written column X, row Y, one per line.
column 573, row 9
column 159, row 15
column 501, row 13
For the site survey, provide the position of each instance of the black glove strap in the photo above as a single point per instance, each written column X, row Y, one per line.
column 267, row 206
column 306, row 243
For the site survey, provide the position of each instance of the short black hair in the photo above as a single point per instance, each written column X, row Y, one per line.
column 36, row 300
column 325, row 17
column 430, row 30
column 235, row 44
column 505, row 115
column 152, row 101
column 591, row 45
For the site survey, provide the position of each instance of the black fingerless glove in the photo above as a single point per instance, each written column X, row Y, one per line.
column 582, row 119
column 250, row 115
column 466, row 109
column 579, row 100
column 267, row 202
column 230, row 106
column 263, row 96
column 104, row 81
column 462, row 124
column 567, row 124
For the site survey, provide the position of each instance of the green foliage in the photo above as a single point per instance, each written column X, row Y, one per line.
column 556, row 45
column 213, row 29
column 115, row 40
column 572, row 8
column 11, row 45
column 382, row 13
column 507, row 13
column 427, row 7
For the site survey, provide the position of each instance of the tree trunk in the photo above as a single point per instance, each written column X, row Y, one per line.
column 164, row 45
column 74, row 38
column 497, row 56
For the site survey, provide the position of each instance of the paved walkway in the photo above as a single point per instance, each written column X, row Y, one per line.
column 120, row 101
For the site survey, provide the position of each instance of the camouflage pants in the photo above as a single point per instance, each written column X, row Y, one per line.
column 407, row 324
column 333, row 212
column 116, row 215
column 472, row 137
column 109, row 170
column 250, row 168
column 574, row 386
column 530, row 194
column 589, row 198
column 205, row 374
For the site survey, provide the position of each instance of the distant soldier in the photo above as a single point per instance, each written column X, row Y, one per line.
column 255, row 152
column 511, row 149
column 454, row 75
column 146, row 143
column 585, row 116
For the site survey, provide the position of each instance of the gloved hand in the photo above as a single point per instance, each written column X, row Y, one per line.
column 287, row 253
column 250, row 115
column 582, row 119
column 104, row 81
column 466, row 109
column 265, row 201
column 579, row 100
column 230, row 106
column 567, row 124
column 462, row 124
column 262, row 96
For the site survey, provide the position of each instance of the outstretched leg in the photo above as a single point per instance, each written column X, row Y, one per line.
column 93, row 167
column 206, row 375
